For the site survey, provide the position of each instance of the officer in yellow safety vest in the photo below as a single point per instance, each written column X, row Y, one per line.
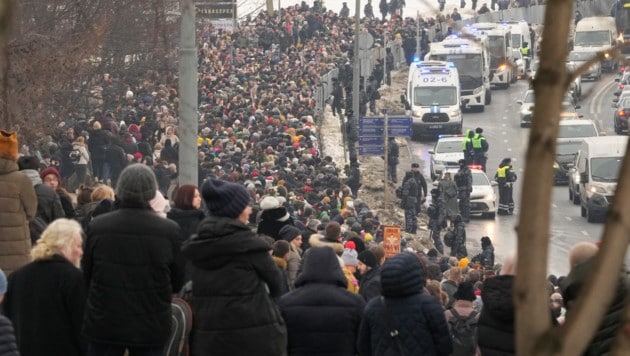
column 480, row 148
column 467, row 146
column 505, row 176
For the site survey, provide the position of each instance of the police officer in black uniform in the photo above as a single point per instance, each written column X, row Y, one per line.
column 463, row 179
column 437, row 218
column 409, row 201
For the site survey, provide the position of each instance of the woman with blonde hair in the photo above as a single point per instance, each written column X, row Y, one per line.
column 81, row 161
column 45, row 298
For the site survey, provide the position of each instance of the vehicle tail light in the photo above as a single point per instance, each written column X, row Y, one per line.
column 623, row 113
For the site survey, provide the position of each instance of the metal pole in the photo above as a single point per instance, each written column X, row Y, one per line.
column 356, row 73
column 418, row 53
column 188, row 162
column 386, row 152
column 385, row 55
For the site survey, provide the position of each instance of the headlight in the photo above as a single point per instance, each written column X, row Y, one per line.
column 438, row 163
column 455, row 113
column 597, row 189
column 556, row 165
column 606, row 55
column 417, row 113
column 576, row 177
column 501, row 68
column 478, row 90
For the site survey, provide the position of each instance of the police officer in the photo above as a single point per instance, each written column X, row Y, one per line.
column 437, row 218
column 467, row 146
column 409, row 201
column 463, row 179
column 422, row 186
column 392, row 159
column 354, row 176
column 506, row 177
column 337, row 93
column 480, row 148
column 389, row 65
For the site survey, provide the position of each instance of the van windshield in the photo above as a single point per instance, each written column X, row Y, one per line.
column 572, row 131
column 435, row 96
column 605, row 169
column 592, row 38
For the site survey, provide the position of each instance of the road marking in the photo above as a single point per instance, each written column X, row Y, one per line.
column 509, row 150
column 596, row 104
column 553, row 205
column 504, row 125
column 584, row 232
column 568, row 218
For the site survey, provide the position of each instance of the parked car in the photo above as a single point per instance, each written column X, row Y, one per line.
column 446, row 154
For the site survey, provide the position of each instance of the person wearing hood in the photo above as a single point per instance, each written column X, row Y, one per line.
column 506, row 177
column 48, row 203
column 235, row 280
column 458, row 249
column 19, row 206
column 130, row 270
column 406, row 307
column 486, row 257
column 321, row 309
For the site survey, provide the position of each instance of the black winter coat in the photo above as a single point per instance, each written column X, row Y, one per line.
column 234, row 281
column 322, row 316
column 270, row 222
column 45, row 302
column 48, row 203
column 129, row 266
column 8, row 346
column 370, row 284
column 495, row 330
column 188, row 221
column 419, row 319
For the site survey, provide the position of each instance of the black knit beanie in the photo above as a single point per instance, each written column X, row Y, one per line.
column 224, row 199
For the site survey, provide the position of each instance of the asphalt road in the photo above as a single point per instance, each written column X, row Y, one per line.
column 501, row 125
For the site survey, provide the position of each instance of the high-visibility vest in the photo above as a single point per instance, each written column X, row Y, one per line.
column 476, row 141
column 502, row 171
column 465, row 140
column 525, row 50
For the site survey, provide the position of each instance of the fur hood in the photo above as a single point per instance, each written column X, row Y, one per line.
column 317, row 240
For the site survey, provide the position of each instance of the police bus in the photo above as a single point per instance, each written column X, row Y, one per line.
column 503, row 71
column 470, row 57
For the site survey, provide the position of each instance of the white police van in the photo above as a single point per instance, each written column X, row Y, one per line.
column 433, row 99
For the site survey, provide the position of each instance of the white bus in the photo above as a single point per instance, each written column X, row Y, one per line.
column 470, row 57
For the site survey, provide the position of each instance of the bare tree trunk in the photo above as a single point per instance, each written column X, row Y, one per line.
column 533, row 317
column 535, row 335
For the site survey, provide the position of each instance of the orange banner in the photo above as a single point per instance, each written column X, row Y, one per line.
column 391, row 240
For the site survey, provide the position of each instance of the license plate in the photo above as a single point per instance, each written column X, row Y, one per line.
column 435, row 126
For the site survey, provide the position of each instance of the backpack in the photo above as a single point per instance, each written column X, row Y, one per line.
column 181, row 325
column 75, row 156
column 463, row 332
column 449, row 238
